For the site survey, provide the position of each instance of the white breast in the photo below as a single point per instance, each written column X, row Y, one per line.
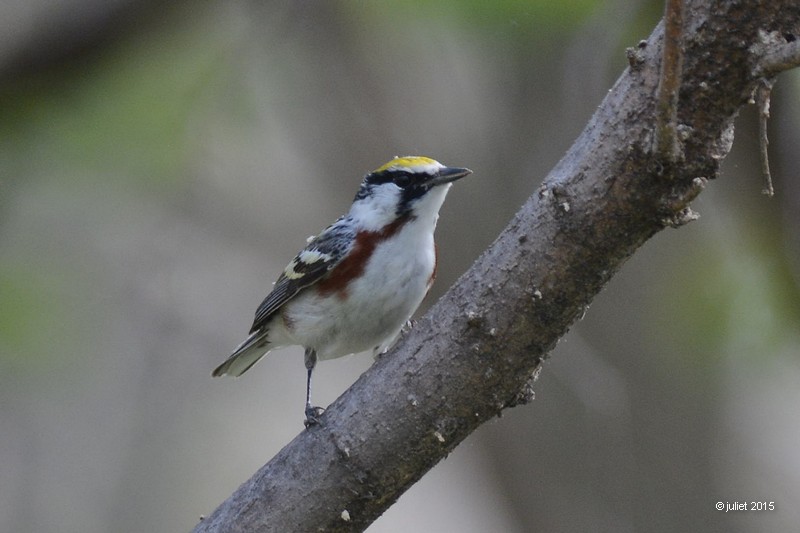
column 375, row 306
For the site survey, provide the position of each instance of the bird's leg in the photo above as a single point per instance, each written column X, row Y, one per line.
column 312, row 413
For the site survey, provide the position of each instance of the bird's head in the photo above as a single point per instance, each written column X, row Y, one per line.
column 405, row 186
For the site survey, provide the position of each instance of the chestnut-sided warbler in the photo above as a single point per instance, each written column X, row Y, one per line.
column 355, row 285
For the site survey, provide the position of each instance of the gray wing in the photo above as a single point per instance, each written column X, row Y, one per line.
column 308, row 267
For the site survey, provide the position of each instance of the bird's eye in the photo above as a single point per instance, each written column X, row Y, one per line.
column 402, row 180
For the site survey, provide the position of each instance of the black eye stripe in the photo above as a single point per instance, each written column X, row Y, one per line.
column 411, row 184
column 378, row 178
column 401, row 178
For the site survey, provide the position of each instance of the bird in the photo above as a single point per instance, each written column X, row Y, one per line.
column 355, row 285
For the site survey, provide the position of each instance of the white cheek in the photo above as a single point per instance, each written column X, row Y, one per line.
column 379, row 210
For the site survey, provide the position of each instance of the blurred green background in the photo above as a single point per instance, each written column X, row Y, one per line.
column 161, row 162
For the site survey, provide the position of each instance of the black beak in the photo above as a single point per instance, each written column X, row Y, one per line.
column 449, row 175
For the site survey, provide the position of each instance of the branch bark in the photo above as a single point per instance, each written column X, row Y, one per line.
column 472, row 355
column 778, row 54
column 763, row 92
column 666, row 143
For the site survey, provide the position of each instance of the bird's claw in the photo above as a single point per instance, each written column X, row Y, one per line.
column 312, row 416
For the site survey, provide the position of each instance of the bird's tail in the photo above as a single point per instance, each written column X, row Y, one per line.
column 245, row 355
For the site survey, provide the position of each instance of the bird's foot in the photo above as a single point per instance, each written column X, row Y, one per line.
column 312, row 415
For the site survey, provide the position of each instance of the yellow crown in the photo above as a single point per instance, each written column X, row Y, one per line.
column 413, row 163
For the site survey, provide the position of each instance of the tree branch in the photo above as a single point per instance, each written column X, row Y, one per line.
column 774, row 52
column 763, row 92
column 472, row 355
column 665, row 135
column 777, row 55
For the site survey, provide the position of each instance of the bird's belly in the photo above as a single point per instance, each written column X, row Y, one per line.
column 369, row 312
